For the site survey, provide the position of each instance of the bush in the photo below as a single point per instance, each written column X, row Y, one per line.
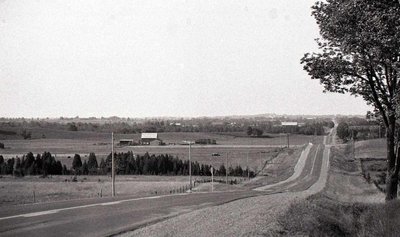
column 1, row 145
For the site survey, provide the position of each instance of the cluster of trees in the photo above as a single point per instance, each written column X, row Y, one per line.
column 44, row 164
column 358, row 128
column 87, row 167
column 128, row 163
column 308, row 128
column 343, row 131
column 125, row 163
column 254, row 132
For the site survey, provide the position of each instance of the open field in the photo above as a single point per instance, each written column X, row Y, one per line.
column 101, row 143
column 58, row 188
column 85, row 142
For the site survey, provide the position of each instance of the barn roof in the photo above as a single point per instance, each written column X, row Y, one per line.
column 289, row 123
column 149, row 136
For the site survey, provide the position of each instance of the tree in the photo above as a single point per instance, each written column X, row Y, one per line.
column 26, row 135
column 257, row 132
column 72, row 127
column 103, row 166
column 1, row 145
column 343, row 131
column 17, row 171
column 360, row 55
column 77, row 164
column 85, row 168
column 249, row 131
column 92, row 163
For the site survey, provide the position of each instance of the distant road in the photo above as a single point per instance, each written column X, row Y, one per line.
column 103, row 217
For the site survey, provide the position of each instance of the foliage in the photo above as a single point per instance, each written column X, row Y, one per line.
column 77, row 163
column 92, row 163
column 249, row 131
column 72, row 127
column 44, row 164
column 343, row 131
column 1, row 145
column 127, row 163
column 26, row 134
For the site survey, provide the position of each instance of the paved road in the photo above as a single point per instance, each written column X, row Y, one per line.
column 102, row 217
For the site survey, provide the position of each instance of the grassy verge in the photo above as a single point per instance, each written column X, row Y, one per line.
column 319, row 215
column 348, row 206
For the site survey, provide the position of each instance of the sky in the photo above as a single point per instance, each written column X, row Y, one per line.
column 144, row 58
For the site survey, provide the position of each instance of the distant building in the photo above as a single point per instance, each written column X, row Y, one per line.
column 289, row 124
column 150, row 139
column 289, row 127
column 126, row 142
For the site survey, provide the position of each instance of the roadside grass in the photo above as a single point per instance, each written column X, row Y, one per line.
column 348, row 206
column 14, row 191
column 30, row 189
column 319, row 215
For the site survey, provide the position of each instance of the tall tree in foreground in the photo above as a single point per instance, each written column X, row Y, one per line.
column 360, row 55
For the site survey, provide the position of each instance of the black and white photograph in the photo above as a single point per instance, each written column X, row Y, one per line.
column 199, row 118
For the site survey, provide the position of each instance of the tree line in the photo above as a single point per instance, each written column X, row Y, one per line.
column 44, row 164
column 125, row 164
column 259, row 126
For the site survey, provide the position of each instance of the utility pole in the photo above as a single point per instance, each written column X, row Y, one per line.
column 288, row 140
column 212, row 179
column 226, row 169
column 248, row 173
column 354, row 144
column 112, row 165
column 190, row 167
column 190, row 164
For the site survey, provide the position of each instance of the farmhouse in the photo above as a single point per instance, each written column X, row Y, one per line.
column 150, row 139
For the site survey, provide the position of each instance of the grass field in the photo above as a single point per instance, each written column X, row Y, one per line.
column 57, row 188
